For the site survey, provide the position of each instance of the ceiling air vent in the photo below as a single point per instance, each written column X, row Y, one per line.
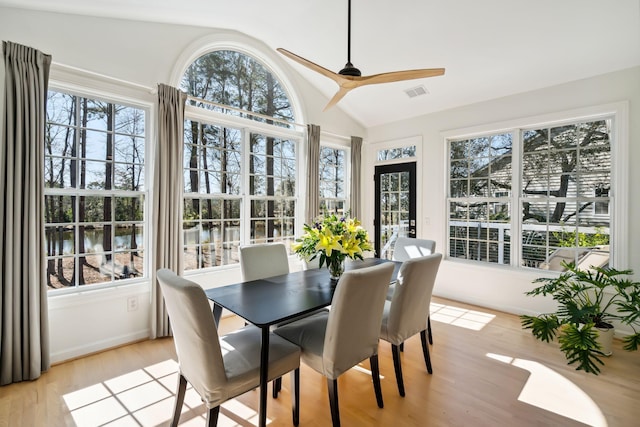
column 416, row 91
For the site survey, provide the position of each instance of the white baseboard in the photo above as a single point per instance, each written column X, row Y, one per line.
column 94, row 347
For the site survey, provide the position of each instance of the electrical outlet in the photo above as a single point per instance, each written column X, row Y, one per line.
column 132, row 303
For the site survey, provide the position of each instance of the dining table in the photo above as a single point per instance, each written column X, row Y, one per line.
column 274, row 300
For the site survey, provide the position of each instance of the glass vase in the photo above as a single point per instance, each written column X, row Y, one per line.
column 336, row 268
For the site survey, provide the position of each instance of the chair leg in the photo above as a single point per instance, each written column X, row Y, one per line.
column 212, row 416
column 332, row 386
column 277, row 386
column 425, row 351
column 429, row 330
column 401, row 346
column 295, row 397
column 395, row 350
column 182, row 387
column 375, row 376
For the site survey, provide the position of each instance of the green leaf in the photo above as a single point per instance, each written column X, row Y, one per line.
column 580, row 346
column 542, row 327
column 631, row 342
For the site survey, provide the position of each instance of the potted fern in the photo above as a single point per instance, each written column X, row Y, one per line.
column 589, row 301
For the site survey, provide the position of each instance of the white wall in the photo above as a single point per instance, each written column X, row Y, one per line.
column 502, row 287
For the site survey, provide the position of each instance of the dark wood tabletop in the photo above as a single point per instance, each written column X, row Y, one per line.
column 272, row 300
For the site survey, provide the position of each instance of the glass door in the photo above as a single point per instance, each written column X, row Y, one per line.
column 395, row 188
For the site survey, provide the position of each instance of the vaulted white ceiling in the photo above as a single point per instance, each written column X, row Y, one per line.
column 490, row 48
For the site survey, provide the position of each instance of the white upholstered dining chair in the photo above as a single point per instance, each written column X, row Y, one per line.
column 334, row 341
column 263, row 260
column 219, row 367
column 407, row 248
column 405, row 315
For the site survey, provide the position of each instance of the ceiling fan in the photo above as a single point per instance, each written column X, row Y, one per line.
column 350, row 77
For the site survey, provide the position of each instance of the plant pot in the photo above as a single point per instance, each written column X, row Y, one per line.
column 605, row 338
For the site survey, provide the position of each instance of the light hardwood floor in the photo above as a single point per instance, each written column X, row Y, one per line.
column 487, row 372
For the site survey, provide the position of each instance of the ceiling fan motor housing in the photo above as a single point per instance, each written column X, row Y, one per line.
column 350, row 70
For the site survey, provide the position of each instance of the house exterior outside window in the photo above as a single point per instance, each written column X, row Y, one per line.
column 533, row 197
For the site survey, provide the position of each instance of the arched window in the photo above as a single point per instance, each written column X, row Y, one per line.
column 240, row 159
column 233, row 79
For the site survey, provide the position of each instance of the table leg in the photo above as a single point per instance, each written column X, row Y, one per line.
column 264, row 370
column 217, row 313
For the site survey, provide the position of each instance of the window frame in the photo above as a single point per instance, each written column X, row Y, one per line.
column 488, row 200
column 246, row 127
column 618, row 112
column 103, row 89
column 325, row 143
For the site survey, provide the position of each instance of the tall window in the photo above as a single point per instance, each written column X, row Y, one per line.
column 566, row 176
column 240, row 159
column 479, row 190
column 333, row 173
column 561, row 191
column 212, row 183
column 94, row 191
column 272, row 177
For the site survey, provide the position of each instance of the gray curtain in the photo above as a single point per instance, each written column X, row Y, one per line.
column 24, row 322
column 313, row 173
column 356, row 172
column 167, row 201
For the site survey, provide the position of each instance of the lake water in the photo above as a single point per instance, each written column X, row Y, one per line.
column 92, row 238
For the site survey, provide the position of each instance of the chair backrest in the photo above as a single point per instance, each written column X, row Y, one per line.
column 263, row 260
column 412, row 297
column 407, row 248
column 194, row 334
column 353, row 327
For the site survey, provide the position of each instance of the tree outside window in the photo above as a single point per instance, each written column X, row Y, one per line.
column 94, row 191
column 239, row 180
column 333, row 178
column 562, row 193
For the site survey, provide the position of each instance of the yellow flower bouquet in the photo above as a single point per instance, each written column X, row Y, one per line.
column 333, row 239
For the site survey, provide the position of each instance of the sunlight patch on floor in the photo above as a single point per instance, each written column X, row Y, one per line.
column 145, row 397
column 364, row 370
column 548, row 390
column 462, row 317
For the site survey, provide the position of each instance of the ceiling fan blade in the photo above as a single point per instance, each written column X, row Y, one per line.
column 337, row 97
column 311, row 65
column 397, row 76
column 350, row 77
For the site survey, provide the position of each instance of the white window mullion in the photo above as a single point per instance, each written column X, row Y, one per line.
column 245, row 203
column 516, row 198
